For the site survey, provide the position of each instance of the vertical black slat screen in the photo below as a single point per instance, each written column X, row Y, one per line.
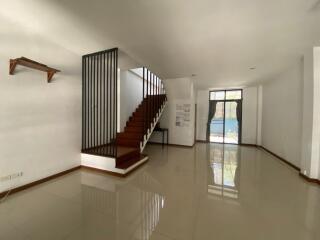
column 112, row 102
column 110, row 105
column 83, row 113
column 94, row 101
column 86, row 107
column 108, row 102
column 103, row 101
column 96, row 108
column 84, row 93
column 99, row 103
column 115, row 100
column 116, row 97
column 91, row 103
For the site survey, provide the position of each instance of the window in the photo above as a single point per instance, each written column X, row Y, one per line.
column 234, row 94
column 217, row 95
column 225, row 116
column 226, row 95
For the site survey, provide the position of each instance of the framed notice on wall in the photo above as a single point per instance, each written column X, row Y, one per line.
column 183, row 115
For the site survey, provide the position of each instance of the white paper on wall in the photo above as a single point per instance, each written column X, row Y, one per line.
column 183, row 116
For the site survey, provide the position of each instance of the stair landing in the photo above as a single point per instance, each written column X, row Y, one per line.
column 128, row 159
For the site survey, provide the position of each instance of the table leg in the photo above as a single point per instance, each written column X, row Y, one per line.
column 162, row 139
column 168, row 137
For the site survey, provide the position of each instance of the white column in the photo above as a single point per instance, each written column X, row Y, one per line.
column 310, row 154
column 259, row 116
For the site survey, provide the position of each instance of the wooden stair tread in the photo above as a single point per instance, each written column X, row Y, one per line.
column 131, row 162
column 123, row 150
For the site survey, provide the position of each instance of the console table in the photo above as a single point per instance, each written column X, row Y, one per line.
column 163, row 131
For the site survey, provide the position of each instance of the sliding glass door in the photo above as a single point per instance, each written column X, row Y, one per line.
column 217, row 123
column 231, row 124
column 225, row 113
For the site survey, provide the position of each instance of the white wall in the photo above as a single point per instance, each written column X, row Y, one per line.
column 310, row 157
column 315, row 163
column 130, row 95
column 40, row 123
column 307, row 122
column 179, row 91
column 259, row 115
column 202, row 114
column 282, row 114
column 249, row 114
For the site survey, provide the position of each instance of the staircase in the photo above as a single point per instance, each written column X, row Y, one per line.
column 138, row 129
column 102, row 147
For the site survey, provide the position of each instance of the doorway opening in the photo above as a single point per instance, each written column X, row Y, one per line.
column 225, row 116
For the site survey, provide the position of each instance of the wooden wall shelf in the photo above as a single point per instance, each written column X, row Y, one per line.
column 32, row 64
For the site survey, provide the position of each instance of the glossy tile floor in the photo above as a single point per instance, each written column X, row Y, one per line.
column 207, row 192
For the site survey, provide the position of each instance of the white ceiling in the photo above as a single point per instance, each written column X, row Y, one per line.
column 218, row 40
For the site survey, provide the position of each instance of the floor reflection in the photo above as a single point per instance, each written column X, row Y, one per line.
column 224, row 167
column 129, row 202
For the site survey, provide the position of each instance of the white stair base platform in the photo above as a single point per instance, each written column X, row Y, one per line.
column 108, row 164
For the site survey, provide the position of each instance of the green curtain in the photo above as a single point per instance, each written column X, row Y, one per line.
column 212, row 111
column 239, row 115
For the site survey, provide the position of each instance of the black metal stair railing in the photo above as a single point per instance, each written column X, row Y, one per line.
column 153, row 97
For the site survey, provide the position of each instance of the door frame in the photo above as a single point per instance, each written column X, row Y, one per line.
column 224, row 114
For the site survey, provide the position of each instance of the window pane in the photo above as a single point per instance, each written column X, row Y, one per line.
column 216, row 125
column 231, row 124
column 236, row 94
column 219, row 95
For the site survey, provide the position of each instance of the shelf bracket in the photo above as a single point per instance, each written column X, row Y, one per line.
column 13, row 64
column 50, row 75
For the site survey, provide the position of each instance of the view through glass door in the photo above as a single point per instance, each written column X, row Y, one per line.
column 217, row 123
column 225, row 113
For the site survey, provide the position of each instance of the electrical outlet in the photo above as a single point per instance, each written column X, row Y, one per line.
column 5, row 178
column 11, row 177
